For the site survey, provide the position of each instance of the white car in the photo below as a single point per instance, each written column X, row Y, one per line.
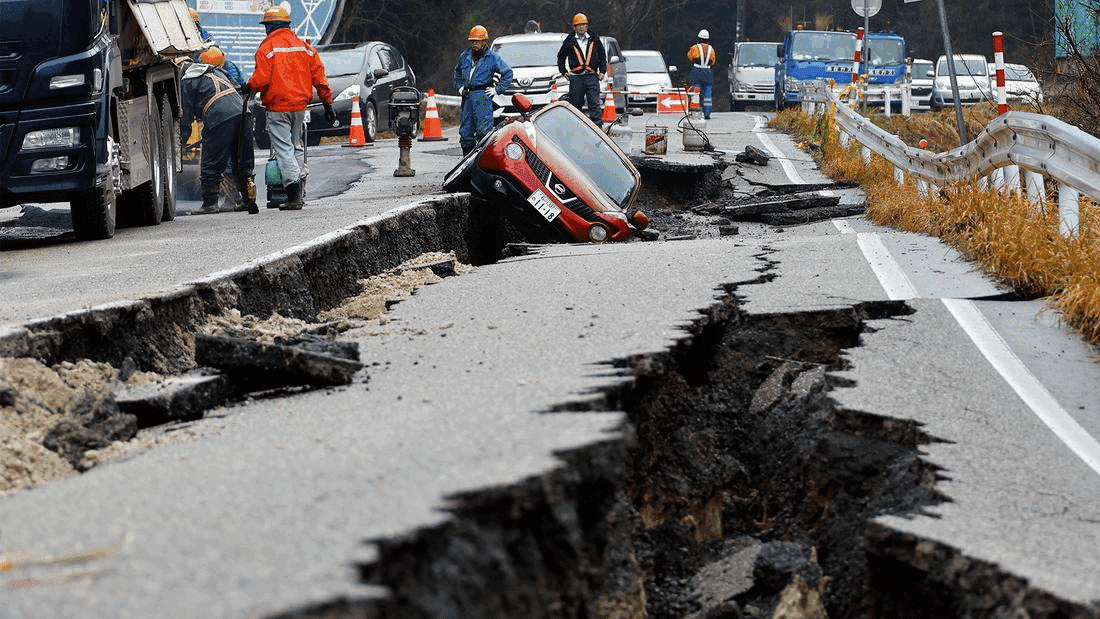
column 920, row 83
column 971, row 76
column 646, row 75
column 1021, row 86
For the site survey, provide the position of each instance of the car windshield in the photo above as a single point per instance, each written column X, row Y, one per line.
column 346, row 62
column 577, row 141
column 762, row 55
column 885, row 51
column 920, row 69
column 645, row 64
column 963, row 66
column 807, row 45
column 519, row 54
column 1019, row 74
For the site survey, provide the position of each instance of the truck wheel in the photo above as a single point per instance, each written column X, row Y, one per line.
column 169, row 137
column 94, row 212
column 144, row 205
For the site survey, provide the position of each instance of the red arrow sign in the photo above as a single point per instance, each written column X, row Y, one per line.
column 670, row 102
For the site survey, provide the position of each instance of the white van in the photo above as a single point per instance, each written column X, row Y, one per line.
column 752, row 74
column 534, row 61
column 971, row 75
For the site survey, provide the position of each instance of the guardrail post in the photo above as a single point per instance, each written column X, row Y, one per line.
column 1036, row 190
column 845, row 139
column 997, row 177
column 865, row 153
column 1068, row 217
column 899, row 176
column 1012, row 179
column 886, row 101
column 922, row 188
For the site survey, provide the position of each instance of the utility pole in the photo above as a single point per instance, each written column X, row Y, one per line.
column 963, row 138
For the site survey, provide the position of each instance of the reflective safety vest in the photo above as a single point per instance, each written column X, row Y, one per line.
column 584, row 63
column 702, row 55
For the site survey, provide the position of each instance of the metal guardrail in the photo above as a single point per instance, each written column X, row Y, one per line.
column 1043, row 146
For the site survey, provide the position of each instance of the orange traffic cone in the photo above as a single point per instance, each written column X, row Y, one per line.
column 554, row 92
column 356, row 136
column 695, row 96
column 433, row 131
column 609, row 113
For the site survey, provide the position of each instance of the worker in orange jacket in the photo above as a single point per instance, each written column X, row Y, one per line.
column 287, row 70
column 702, row 58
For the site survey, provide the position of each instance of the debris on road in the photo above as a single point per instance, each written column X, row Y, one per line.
column 256, row 366
column 175, row 398
column 753, row 155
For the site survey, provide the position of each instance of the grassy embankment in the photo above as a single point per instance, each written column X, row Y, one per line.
column 1014, row 241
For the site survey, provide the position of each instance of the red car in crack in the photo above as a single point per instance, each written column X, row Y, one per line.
column 555, row 175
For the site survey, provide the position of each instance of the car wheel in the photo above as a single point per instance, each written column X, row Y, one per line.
column 170, row 139
column 458, row 179
column 370, row 122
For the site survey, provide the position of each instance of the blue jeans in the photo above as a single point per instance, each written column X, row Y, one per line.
column 285, row 130
column 476, row 120
column 703, row 79
column 586, row 89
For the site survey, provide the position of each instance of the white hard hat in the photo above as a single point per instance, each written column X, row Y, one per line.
column 703, row 34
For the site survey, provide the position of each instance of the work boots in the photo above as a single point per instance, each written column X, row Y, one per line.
column 210, row 195
column 294, row 200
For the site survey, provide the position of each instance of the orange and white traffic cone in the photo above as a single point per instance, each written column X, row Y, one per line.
column 433, row 131
column 356, row 136
column 696, row 108
column 554, row 95
column 609, row 113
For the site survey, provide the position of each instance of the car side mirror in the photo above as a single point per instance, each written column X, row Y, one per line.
column 779, row 50
column 672, row 69
column 521, row 103
column 377, row 73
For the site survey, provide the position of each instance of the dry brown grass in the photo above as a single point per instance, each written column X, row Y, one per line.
column 1015, row 242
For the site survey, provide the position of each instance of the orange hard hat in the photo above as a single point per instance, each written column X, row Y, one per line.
column 479, row 33
column 194, row 14
column 212, row 56
column 275, row 14
column 580, row 18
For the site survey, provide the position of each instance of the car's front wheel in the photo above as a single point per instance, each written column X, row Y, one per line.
column 370, row 122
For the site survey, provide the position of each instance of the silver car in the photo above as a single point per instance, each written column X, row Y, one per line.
column 646, row 75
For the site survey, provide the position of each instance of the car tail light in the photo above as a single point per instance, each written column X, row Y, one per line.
column 597, row 233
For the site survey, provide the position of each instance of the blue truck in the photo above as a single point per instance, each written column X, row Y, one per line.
column 884, row 61
column 808, row 55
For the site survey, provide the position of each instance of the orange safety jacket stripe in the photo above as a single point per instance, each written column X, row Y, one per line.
column 584, row 63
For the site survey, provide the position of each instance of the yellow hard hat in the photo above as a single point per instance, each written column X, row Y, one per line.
column 212, row 56
column 275, row 14
column 194, row 14
column 580, row 18
column 479, row 33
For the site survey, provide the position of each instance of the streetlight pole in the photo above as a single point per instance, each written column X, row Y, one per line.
column 963, row 138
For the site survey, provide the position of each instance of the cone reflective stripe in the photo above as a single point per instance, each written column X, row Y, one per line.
column 999, row 63
column 695, row 95
column 609, row 114
column 356, row 136
column 433, row 131
column 554, row 91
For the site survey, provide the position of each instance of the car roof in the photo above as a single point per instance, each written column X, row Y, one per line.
column 338, row 47
column 642, row 52
column 534, row 36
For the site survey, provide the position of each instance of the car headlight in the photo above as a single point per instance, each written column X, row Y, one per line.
column 514, row 151
column 52, row 138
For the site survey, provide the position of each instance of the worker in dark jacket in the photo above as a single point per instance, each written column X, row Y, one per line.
column 480, row 74
column 582, row 57
column 209, row 96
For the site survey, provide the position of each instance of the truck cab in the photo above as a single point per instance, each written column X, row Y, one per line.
column 89, row 107
column 809, row 55
column 752, row 74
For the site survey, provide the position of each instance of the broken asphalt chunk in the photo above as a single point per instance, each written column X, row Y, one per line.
column 255, row 366
column 178, row 398
column 753, row 155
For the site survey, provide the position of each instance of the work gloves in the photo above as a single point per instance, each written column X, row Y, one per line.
column 490, row 92
column 330, row 115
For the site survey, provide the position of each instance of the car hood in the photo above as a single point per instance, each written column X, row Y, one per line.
column 339, row 84
column 648, row 79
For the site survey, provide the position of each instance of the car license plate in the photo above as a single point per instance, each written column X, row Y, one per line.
column 544, row 205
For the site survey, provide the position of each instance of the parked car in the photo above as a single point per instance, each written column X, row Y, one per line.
column 921, row 76
column 373, row 68
column 646, row 75
column 534, row 61
column 555, row 175
column 1021, row 85
column 752, row 74
column 971, row 75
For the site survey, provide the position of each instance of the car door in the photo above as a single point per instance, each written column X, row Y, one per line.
column 616, row 65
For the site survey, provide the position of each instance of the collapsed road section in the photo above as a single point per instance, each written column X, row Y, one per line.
column 577, row 432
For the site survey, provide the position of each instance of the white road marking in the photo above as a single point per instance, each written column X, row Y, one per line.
column 897, row 286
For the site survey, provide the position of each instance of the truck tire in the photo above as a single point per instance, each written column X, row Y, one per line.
column 144, row 205
column 94, row 212
column 169, row 137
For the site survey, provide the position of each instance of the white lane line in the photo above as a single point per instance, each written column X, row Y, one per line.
column 890, row 276
column 1023, row 382
column 777, row 154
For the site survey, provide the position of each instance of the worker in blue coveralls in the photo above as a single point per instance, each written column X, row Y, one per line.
column 229, row 68
column 480, row 75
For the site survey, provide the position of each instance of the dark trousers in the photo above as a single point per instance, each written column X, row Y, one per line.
column 586, row 89
column 219, row 148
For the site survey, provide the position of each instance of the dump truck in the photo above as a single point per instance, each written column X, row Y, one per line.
column 90, row 108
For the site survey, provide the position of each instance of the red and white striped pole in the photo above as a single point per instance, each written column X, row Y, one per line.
column 999, row 62
column 859, row 51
